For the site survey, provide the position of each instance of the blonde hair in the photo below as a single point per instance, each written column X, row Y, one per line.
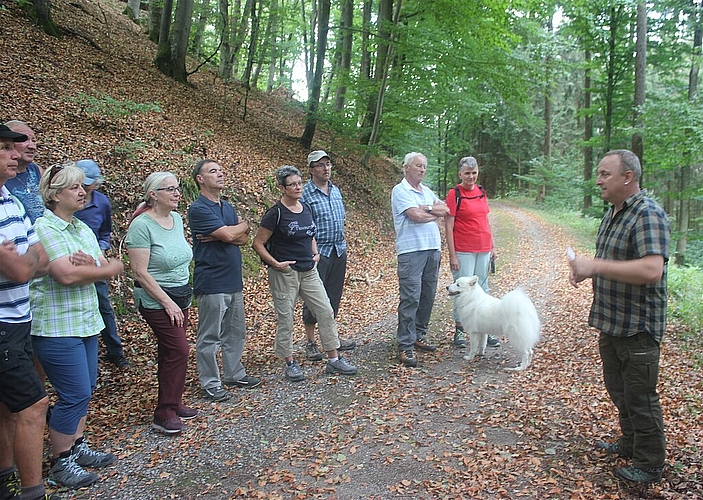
column 56, row 179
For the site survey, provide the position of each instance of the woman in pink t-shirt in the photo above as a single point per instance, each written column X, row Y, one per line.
column 469, row 237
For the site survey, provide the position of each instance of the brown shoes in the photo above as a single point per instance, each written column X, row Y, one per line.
column 421, row 343
column 407, row 358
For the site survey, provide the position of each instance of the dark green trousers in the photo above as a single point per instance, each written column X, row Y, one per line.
column 630, row 372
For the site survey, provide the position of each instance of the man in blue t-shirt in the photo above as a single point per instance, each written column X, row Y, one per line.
column 217, row 283
column 25, row 185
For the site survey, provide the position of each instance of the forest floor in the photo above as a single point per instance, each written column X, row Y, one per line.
column 448, row 429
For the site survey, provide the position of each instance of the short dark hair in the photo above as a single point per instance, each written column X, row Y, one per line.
column 286, row 171
column 198, row 167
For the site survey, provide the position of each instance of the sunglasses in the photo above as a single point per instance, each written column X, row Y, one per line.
column 55, row 169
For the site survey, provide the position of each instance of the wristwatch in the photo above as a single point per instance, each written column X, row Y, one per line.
column 429, row 208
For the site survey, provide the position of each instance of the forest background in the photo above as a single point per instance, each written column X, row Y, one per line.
column 536, row 91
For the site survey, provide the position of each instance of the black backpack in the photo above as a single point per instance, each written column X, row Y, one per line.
column 457, row 193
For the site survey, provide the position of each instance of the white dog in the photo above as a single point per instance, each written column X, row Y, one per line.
column 514, row 316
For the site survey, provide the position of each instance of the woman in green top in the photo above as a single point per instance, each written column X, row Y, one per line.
column 160, row 258
column 66, row 322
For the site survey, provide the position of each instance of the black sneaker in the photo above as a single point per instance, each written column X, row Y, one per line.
column 613, row 449
column 216, row 394
column 407, row 358
column 492, row 341
column 459, row 337
column 66, row 472
column 119, row 361
column 641, row 476
column 10, row 486
column 246, row 382
column 85, row 457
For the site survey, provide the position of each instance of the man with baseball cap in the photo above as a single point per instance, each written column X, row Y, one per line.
column 23, row 400
column 325, row 201
column 97, row 214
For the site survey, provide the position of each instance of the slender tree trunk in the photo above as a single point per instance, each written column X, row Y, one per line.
column 195, row 47
column 314, row 99
column 587, row 133
column 274, row 50
column 250, row 54
column 640, row 68
column 156, row 8
column 42, row 15
column 548, row 113
column 163, row 51
column 179, row 39
column 346, row 25
column 225, row 69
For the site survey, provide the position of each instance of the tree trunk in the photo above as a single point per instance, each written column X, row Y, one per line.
column 273, row 49
column 345, row 56
column 163, row 51
column 156, row 9
column 385, row 14
column 179, row 39
column 133, row 8
column 250, row 55
column 195, row 47
column 640, row 68
column 548, row 114
column 42, row 15
column 314, row 99
column 587, row 133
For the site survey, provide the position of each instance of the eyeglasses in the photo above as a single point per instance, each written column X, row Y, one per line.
column 170, row 189
column 295, row 184
column 55, row 169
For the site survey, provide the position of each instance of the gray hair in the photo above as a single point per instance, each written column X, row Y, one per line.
column 57, row 178
column 153, row 182
column 286, row 171
column 411, row 156
column 12, row 124
column 628, row 161
column 467, row 162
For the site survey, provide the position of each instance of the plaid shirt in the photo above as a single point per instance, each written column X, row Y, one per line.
column 61, row 310
column 641, row 228
column 329, row 216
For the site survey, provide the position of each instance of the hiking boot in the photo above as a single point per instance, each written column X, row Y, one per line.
column 293, row 372
column 312, row 353
column 341, row 366
column 407, row 358
column 459, row 337
column 246, row 382
column 346, row 345
column 637, row 475
column 186, row 413
column 492, row 341
column 170, row 426
column 66, row 472
column 613, row 449
column 119, row 361
column 10, row 486
column 421, row 343
column 85, row 457
column 216, row 394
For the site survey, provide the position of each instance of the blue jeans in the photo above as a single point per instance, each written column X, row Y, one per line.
column 112, row 341
column 418, row 273
column 71, row 365
column 630, row 372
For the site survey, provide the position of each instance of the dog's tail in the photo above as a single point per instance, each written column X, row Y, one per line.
column 521, row 312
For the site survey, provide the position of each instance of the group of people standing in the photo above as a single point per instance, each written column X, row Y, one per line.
column 57, row 262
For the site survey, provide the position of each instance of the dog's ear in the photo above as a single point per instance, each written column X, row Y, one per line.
column 473, row 280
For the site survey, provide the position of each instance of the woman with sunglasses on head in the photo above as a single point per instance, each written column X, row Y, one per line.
column 469, row 238
column 67, row 322
column 159, row 257
column 286, row 243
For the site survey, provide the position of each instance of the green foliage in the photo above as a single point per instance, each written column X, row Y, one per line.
column 103, row 105
column 685, row 292
column 129, row 149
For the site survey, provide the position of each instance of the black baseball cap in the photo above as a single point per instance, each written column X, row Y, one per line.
column 6, row 133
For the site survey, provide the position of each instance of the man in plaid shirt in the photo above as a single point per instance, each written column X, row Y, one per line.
column 327, row 206
column 629, row 308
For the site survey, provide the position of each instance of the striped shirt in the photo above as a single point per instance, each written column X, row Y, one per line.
column 16, row 227
column 413, row 236
column 329, row 215
column 60, row 310
column 640, row 229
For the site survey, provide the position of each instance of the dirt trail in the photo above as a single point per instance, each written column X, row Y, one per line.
column 448, row 429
